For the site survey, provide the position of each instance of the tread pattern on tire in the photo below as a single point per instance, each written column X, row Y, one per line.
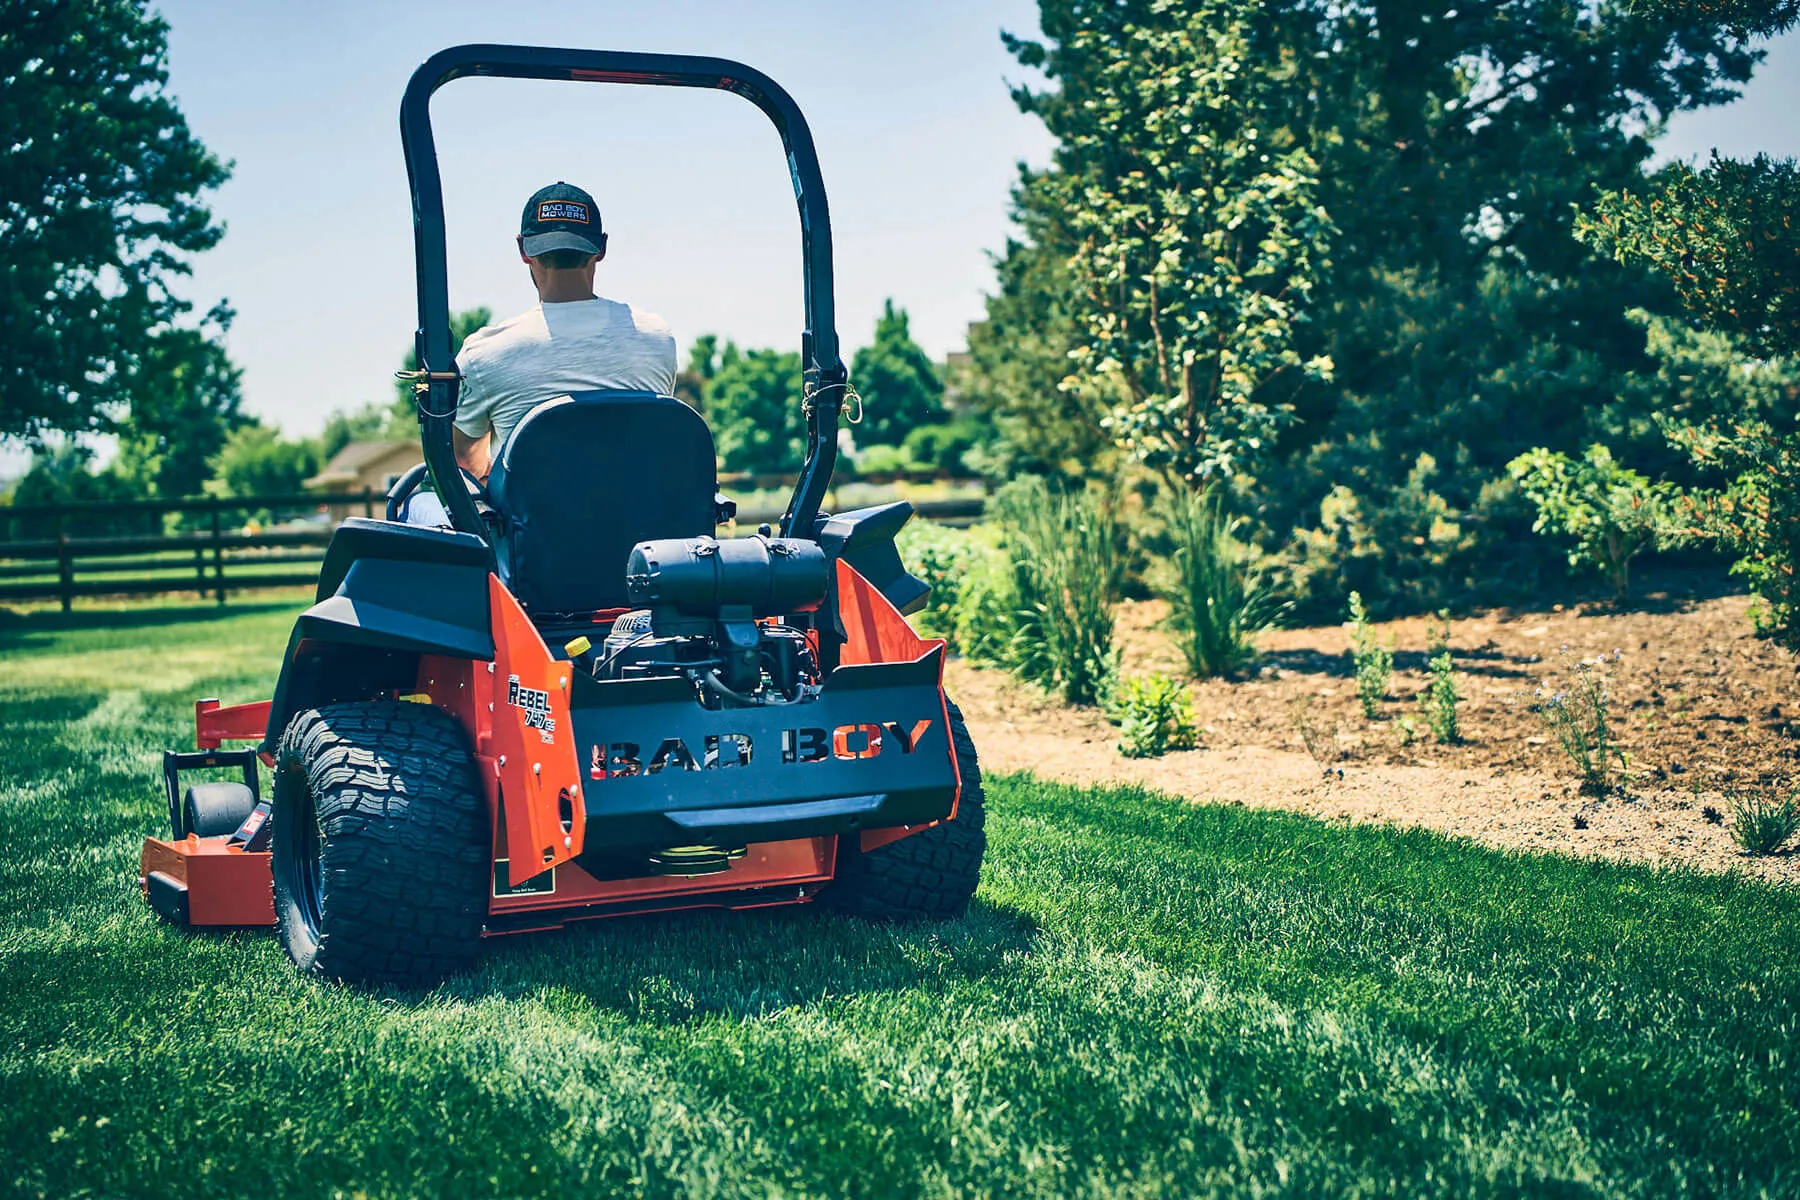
column 407, row 846
column 932, row 873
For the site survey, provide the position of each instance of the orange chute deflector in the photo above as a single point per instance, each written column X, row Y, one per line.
column 534, row 744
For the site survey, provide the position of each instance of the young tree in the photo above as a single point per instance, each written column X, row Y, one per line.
column 101, row 201
column 1199, row 236
column 257, row 461
column 900, row 389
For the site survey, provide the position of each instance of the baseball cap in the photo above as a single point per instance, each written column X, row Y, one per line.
column 561, row 217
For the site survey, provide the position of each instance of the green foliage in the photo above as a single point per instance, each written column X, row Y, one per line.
column 1579, row 718
column 954, row 563
column 1373, row 661
column 703, row 363
column 1218, row 601
column 1441, row 698
column 1063, row 551
column 102, row 190
column 189, row 402
column 1761, row 824
column 942, row 447
column 1756, row 516
column 1198, row 233
column 1155, row 715
column 1610, row 513
column 257, row 461
column 1744, row 18
column 753, row 406
column 900, row 389
column 1727, row 237
column 1466, row 325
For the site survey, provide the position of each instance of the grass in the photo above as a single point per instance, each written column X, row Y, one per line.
column 1148, row 998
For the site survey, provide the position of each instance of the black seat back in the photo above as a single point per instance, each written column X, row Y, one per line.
column 582, row 480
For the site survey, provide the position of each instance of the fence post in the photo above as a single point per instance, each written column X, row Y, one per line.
column 65, row 566
column 369, row 503
column 218, row 558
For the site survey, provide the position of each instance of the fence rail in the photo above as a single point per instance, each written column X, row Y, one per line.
column 215, row 546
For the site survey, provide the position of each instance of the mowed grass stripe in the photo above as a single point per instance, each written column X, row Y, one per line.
column 1148, row 998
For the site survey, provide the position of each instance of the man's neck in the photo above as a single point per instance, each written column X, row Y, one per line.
column 558, row 293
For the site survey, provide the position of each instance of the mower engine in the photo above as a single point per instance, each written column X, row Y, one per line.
column 710, row 611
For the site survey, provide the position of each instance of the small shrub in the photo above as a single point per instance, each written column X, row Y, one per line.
column 1155, row 715
column 1406, row 730
column 949, row 561
column 1760, row 825
column 1579, row 719
column 1609, row 513
column 1064, row 555
column 1441, row 698
column 1374, row 662
column 1218, row 602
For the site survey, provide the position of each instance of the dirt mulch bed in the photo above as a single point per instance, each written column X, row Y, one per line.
column 1701, row 706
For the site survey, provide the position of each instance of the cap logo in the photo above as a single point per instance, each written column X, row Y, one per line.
column 562, row 210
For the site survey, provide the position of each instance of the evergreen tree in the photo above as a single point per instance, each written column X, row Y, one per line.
column 753, row 405
column 900, row 389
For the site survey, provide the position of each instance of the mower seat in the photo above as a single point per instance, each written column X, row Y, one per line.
column 583, row 479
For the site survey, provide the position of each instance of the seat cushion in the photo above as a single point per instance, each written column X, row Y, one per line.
column 583, row 479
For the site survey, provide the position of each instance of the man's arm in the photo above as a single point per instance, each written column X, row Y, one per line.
column 473, row 455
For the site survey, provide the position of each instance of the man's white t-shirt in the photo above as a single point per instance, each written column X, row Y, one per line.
column 555, row 349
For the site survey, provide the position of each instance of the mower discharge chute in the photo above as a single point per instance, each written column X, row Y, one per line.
column 581, row 701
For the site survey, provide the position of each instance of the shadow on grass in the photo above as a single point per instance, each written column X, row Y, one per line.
column 686, row 966
column 24, row 630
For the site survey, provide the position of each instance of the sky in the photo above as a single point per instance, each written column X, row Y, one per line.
column 908, row 103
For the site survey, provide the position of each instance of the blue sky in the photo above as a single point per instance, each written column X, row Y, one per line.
column 908, row 104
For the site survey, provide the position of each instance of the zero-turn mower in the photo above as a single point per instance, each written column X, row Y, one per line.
column 581, row 701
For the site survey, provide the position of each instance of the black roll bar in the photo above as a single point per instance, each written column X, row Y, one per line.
column 824, row 374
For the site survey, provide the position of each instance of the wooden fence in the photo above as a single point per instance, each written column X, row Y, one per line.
column 217, row 546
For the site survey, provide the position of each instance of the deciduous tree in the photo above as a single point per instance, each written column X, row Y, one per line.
column 102, row 200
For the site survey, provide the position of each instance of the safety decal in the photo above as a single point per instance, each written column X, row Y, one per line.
column 563, row 210
column 536, row 705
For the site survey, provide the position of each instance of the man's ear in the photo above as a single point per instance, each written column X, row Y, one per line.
column 523, row 257
column 602, row 254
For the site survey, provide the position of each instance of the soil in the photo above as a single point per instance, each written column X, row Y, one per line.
column 1703, row 709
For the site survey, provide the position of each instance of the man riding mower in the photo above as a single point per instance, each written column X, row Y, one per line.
column 579, row 700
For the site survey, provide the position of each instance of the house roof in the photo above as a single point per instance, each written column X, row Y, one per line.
column 347, row 465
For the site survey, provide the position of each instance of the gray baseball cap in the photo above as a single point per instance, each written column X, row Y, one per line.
column 561, row 217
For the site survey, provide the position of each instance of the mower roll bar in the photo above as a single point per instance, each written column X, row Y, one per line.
column 824, row 373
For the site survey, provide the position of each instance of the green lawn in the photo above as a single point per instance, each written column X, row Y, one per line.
column 1148, row 998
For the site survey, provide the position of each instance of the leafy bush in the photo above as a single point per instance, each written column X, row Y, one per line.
column 940, row 447
column 951, row 562
column 1155, row 715
column 1374, row 662
column 1760, row 825
column 1218, row 602
column 1609, row 512
column 1756, row 517
column 1063, row 551
column 1579, row 719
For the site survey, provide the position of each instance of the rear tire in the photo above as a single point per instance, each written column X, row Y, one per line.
column 931, row 874
column 381, row 844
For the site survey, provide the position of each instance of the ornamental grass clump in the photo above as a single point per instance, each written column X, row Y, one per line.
column 1218, row 601
column 1578, row 717
column 1064, row 556
column 1374, row 662
column 1155, row 715
column 1760, row 824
